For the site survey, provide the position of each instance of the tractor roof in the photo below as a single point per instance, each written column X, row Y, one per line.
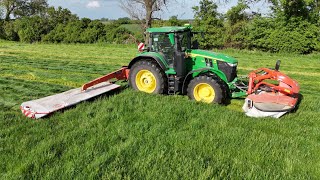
column 169, row 29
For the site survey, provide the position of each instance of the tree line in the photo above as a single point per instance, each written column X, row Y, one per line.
column 291, row 26
column 34, row 21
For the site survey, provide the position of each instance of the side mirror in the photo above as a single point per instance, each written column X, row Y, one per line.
column 277, row 65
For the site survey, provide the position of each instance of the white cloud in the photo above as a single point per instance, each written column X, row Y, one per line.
column 93, row 4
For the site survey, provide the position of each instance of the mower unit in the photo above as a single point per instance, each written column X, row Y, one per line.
column 272, row 99
column 45, row 106
column 171, row 65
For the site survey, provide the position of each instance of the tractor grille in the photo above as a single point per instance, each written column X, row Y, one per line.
column 229, row 71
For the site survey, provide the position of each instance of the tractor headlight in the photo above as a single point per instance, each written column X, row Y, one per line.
column 233, row 65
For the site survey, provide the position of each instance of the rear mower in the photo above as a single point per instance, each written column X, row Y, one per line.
column 170, row 65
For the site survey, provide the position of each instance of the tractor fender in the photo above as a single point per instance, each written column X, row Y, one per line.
column 201, row 71
column 148, row 57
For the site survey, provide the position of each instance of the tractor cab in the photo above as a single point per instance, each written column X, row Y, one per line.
column 171, row 43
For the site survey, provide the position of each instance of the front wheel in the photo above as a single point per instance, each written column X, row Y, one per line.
column 206, row 89
column 148, row 77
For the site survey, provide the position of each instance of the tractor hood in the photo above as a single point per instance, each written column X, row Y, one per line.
column 213, row 55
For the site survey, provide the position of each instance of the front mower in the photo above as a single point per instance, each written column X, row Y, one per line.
column 171, row 65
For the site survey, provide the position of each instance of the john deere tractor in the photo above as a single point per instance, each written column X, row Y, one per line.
column 172, row 64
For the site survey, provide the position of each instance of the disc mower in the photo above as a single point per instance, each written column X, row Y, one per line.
column 172, row 64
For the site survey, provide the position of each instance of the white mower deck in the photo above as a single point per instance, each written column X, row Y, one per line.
column 44, row 106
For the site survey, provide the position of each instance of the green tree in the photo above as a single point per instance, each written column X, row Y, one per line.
column 208, row 20
column 9, row 7
column 237, row 13
column 124, row 20
column 9, row 31
column 73, row 32
column 59, row 16
column 236, row 26
column 304, row 9
column 174, row 21
column 85, row 22
column 104, row 19
column 31, row 29
column 260, row 29
column 20, row 8
column 57, row 35
column 31, row 8
column 94, row 32
column 121, row 35
column 57, row 19
column 143, row 10
column 295, row 35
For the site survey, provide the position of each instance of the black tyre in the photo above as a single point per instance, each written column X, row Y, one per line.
column 147, row 76
column 206, row 89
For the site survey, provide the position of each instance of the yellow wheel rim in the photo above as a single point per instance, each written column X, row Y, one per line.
column 146, row 81
column 204, row 92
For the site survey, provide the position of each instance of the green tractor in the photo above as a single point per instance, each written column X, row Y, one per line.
column 172, row 64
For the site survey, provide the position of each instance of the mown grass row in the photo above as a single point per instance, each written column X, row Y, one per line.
column 133, row 135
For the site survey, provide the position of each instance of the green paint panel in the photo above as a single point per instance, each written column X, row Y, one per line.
column 214, row 55
column 199, row 62
column 171, row 71
column 154, row 54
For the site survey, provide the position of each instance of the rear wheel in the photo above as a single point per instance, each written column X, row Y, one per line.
column 206, row 89
column 147, row 76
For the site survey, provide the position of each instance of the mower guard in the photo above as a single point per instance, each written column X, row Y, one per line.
column 42, row 107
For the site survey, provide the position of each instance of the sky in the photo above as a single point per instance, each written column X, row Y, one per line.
column 97, row 9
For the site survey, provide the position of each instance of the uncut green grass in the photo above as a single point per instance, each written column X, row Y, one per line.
column 132, row 135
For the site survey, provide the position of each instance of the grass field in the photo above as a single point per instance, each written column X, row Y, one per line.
column 132, row 135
